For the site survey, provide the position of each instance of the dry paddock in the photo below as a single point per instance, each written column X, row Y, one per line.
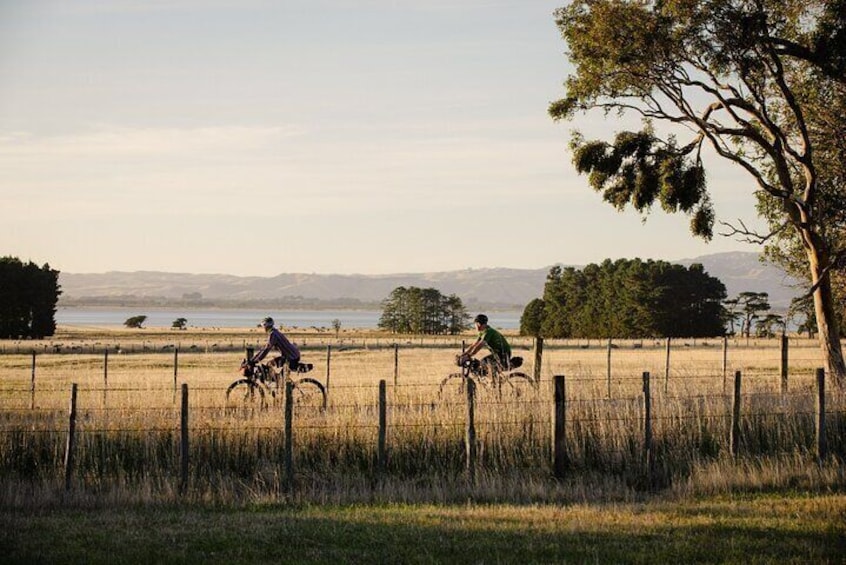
column 130, row 410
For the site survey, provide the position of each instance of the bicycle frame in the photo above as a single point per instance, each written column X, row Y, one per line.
column 495, row 379
column 265, row 378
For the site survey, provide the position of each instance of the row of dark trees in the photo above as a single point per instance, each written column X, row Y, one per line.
column 28, row 298
column 627, row 299
column 424, row 311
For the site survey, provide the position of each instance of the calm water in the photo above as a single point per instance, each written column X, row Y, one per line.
column 242, row 318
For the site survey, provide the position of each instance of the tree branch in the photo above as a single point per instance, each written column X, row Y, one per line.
column 750, row 236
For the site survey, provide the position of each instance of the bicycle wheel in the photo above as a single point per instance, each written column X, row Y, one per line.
column 453, row 388
column 519, row 384
column 310, row 393
column 245, row 393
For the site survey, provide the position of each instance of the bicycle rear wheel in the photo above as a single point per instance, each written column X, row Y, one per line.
column 519, row 384
column 309, row 393
column 245, row 393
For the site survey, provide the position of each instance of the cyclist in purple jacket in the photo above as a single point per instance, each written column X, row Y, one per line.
column 277, row 340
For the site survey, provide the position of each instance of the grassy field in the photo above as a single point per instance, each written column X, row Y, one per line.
column 129, row 418
column 771, row 528
column 774, row 501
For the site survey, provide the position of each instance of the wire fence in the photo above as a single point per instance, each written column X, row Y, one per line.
column 407, row 427
column 164, row 416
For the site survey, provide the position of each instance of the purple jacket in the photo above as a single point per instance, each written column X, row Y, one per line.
column 277, row 340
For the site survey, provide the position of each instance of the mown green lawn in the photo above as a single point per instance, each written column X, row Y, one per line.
column 767, row 528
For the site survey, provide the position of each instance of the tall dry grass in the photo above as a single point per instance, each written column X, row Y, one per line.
column 128, row 425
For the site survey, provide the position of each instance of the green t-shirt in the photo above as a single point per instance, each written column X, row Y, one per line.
column 496, row 342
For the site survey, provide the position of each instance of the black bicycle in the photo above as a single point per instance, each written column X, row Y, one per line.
column 264, row 382
column 495, row 377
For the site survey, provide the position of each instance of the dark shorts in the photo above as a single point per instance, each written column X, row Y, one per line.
column 494, row 363
column 293, row 364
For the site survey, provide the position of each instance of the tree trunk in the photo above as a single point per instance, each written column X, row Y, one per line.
column 829, row 332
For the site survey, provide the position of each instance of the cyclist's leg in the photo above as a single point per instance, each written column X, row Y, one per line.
column 489, row 366
column 294, row 364
column 278, row 365
column 297, row 366
column 281, row 361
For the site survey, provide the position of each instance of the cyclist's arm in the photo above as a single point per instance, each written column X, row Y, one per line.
column 263, row 353
column 473, row 349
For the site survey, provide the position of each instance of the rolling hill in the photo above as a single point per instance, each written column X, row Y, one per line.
column 495, row 287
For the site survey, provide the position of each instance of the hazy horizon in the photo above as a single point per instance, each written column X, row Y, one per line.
column 398, row 273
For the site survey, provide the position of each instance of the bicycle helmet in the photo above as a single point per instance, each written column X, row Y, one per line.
column 481, row 319
column 267, row 323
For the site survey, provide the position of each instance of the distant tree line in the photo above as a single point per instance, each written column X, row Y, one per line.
column 28, row 297
column 423, row 311
column 627, row 299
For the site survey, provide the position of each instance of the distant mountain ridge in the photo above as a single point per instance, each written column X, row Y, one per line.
column 503, row 287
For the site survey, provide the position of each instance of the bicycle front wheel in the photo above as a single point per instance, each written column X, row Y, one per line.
column 245, row 393
column 453, row 388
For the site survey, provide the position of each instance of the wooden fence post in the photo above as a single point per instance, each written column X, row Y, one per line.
column 822, row 447
column 328, row 363
column 784, row 352
column 289, row 437
column 183, row 444
column 667, row 367
column 608, row 367
column 470, row 435
column 396, row 363
column 559, row 442
column 175, row 365
column 648, row 452
column 70, row 446
column 725, row 361
column 536, row 368
column 735, row 416
column 105, row 375
column 32, row 385
column 382, row 456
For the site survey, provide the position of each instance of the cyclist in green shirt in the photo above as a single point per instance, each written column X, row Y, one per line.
column 500, row 352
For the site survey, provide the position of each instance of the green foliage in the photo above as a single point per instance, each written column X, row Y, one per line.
column 803, row 306
column 424, row 311
column 769, row 325
column 531, row 321
column 135, row 322
column 179, row 324
column 752, row 305
column 631, row 299
column 639, row 169
column 28, row 297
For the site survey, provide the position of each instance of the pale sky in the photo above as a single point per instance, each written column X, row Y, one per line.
column 257, row 137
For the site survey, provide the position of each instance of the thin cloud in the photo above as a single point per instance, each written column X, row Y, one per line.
column 122, row 141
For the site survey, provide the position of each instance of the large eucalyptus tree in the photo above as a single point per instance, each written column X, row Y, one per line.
column 733, row 75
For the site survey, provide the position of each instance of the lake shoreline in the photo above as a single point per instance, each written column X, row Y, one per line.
column 240, row 318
